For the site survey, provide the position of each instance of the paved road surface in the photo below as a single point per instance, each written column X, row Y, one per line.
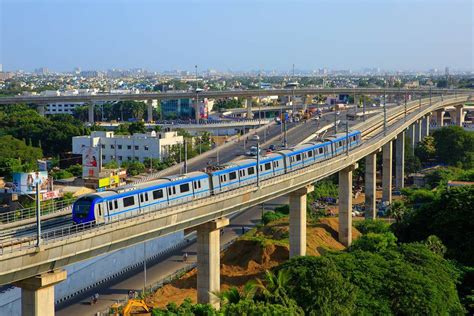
column 107, row 296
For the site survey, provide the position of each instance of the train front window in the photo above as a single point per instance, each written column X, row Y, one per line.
column 81, row 208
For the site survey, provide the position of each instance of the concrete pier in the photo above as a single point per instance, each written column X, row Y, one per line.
column 248, row 105
column 412, row 135
column 208, row 261
column 345, row 205
column 370, row 186
column 37, row 293
column 91, row 113
column 459, row 115
column 440, row 118
column 149, row 112
column 41, row 109
column 418, row 132
column 425, row 131
column 400, row 161
column 298, row 221
column 387, row 172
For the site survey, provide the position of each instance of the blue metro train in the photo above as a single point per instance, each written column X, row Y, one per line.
column 112, row 204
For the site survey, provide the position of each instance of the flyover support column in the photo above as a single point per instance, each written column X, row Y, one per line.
column 400, row 161
column 149, row 112
column 459, row 115
column 248, row 103
column 412, row 136
column 208, row 261
column 356, row 100
column 387, row 172
column 345, row 205
column 41, row 109
column 370, row 186
column 425, row 122
column 418, row 132
column 91, row 113
column 298, row 221
column 440, row 118
column 37, row 293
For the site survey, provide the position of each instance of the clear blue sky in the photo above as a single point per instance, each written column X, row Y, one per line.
column 237, row 35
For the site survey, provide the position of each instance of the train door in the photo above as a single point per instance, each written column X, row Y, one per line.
column 143, row 203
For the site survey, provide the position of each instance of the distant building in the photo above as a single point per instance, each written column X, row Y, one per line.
column 128, row 148
column 184, row 108
column 41, row 71
column 90, row 74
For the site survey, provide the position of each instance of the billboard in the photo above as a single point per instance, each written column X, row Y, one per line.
column 90, row 162
column 203, row 109
column 25, row 183
column 109, row 181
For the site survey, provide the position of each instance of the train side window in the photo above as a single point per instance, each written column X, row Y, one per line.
column 298, row 157
column 233, row 175
column 100, row 210
column 146, row 196
column 141, row 198
column 158, row 194
column 174, row 190
column 184, row 187
column 169, row 191
column 310, row 153
column 320, row 150
column 110, row 206
column 268, row 166
column 250, row 171
column 128, row 201
column 116, row 204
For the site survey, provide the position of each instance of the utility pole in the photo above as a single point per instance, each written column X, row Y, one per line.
column 197, row 95
column 38, row 213
column 144, row 267
column 185, row 156
column 406, row 106
column 257, row 138
column 347, row 138
column 285, row 144
column 335, row 120
column 384, row 120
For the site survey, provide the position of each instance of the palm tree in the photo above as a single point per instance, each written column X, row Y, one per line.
column 274, row 287
column 233, row 295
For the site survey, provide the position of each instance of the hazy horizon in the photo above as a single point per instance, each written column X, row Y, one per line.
column 236, row 35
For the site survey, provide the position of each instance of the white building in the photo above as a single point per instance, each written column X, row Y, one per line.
column 128, row 148
column 65, row 107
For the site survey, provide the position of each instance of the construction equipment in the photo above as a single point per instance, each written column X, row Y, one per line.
column 127, row 309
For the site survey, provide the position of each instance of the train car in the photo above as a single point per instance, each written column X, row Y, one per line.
column 342, row 142
column 321, row 150
column 108, row 205
column 226, row 178
column 272, row 165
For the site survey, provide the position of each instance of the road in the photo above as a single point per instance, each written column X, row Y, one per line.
column 110, row 293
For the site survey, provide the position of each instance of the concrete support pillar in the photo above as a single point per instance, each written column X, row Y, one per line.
column 345, row 205
column 208, row 261
column 356, row 100
column 459, row 115
column 41, row 108
column 440, row 118
column 298, row 221
column 370, row 186
column 307, row 101
column 248, row 105
column 387, row 172
column 37, row 293
column 149, row 112
column 412, row 136
column 91, row 113
column 197, row 115
column 418, row 132
column 400, row 161
column 425, row 129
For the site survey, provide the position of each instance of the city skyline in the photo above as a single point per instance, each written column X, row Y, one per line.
column 165, row 35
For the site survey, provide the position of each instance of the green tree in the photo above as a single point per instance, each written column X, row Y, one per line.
column 455, row 146
column 426, row 149
column 136, row 127
column 16, row 156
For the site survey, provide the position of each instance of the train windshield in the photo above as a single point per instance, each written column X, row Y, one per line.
column 82, row 207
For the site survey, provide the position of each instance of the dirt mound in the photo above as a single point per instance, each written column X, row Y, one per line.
column 248, row 258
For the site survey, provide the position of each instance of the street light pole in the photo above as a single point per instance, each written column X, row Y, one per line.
column 197, row 95
column 38, row 214
column 144, row 267
column 185, row 156
column 347, row 138
column 406, row 106
column 384, row 120
column 257, row 138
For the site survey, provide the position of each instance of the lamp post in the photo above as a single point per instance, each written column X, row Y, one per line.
column 38, row 213
column 197, row 95
column 257, row 139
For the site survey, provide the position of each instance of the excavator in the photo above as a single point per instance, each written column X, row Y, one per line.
column 127, row 309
